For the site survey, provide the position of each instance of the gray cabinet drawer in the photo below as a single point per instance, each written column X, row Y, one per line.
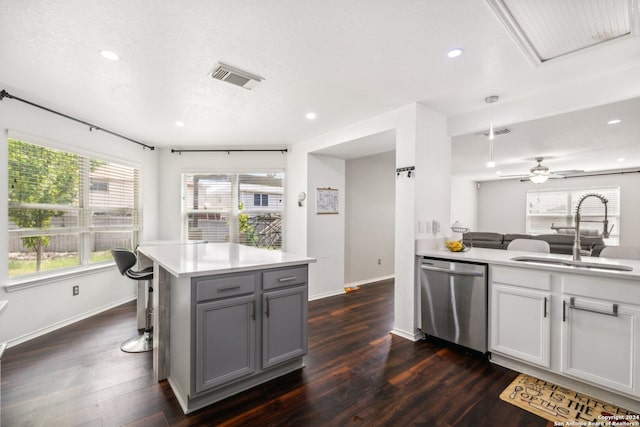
column 223, row 287
column 284, row 277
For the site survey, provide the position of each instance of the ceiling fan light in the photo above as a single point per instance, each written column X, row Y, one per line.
column 538, row 178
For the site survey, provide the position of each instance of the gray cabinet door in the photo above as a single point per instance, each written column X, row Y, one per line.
column 225, row 341
column 284, row 325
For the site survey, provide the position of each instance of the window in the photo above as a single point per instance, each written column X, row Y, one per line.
column 67, row 210
column 558, row 207
column 260, row 200
column 99, row 186
column 241, row 208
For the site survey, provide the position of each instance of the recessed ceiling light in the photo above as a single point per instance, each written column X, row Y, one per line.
column 180, row 124
column 621, row 159
column 112, row 56
column 454, row 53
column 614, row 122
column 310, row 116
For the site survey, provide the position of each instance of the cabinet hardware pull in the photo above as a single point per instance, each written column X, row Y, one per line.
column 613, row 312
column 253, row 310
column 545, row 307
column 452, row 272
column 228, row 288
column 564, row 311
column 288, row 279
column 267, row 312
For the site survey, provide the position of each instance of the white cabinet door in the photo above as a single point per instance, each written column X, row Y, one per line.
column 601, row 342
column 520, row 323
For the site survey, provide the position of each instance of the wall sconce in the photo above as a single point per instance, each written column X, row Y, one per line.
column 301, row 197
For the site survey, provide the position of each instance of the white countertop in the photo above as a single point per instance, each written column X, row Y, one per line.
column 504, row 257
column 199, row 259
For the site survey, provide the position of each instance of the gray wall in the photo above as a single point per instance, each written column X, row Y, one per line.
column 501, row 204
column 370, row 217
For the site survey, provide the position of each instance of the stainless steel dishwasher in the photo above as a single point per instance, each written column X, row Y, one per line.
column 453, row 298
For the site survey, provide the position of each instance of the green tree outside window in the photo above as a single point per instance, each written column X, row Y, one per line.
column 39, row 176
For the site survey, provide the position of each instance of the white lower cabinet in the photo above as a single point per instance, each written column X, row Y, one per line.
column 520, row 323
column 600, row 342
column 581, row 326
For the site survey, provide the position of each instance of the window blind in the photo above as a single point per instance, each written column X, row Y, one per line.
column 557, row 207
column 242, row 208
column 66, row 209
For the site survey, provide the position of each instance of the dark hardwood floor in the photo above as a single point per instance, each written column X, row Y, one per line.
column 356, row 373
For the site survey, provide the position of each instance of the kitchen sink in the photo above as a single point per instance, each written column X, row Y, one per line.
column 571, row 263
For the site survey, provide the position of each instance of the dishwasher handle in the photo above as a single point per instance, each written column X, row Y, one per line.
column 429, row 267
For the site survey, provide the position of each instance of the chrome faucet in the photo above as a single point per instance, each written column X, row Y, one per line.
column 577, row 248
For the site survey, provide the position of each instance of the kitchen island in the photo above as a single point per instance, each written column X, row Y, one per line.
column 226, row 317
column 576, row 326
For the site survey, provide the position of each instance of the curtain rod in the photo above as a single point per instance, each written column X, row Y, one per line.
column 592, row 174
column 92, row 127
column 229, row 151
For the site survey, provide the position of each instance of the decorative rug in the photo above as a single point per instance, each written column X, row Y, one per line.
column 563, row 406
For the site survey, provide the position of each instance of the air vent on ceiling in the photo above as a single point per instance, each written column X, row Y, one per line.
column 496, row 132
column 235, row 76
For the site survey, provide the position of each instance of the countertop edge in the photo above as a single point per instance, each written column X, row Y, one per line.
column 184, row 261
column 228, row 270
column 500, row 257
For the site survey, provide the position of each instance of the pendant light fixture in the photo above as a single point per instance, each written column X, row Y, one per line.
column 491, row 100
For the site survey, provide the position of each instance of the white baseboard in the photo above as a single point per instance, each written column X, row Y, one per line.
column 416, row 336
column 369, row 281
column 66, row 322
column 326, row 295
column 341, row 290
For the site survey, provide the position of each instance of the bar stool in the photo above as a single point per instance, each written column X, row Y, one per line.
column 125, row 260
column 529, row 245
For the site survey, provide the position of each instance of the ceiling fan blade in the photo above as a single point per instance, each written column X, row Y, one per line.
column 568, row 172
column 513, row 176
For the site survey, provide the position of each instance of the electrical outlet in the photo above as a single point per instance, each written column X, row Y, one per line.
column 379, row 261
column 76, row 290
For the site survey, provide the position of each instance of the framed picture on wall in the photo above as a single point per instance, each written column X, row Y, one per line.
column 326, row 201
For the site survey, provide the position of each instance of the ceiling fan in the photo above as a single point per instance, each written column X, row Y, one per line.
column 540, row 173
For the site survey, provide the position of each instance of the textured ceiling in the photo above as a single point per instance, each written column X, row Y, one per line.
column 346, row 60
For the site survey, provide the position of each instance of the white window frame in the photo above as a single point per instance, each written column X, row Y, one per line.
column 186, row 210
column 85, row 231
column 567, row 217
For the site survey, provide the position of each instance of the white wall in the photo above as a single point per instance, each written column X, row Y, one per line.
column 37, row 310
column 172, row 165
column 326, row 232
column 501, row 204
column 433, row 173
column 414, row 125
column 298, row 239
column 370, row 217
column 464, row 203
